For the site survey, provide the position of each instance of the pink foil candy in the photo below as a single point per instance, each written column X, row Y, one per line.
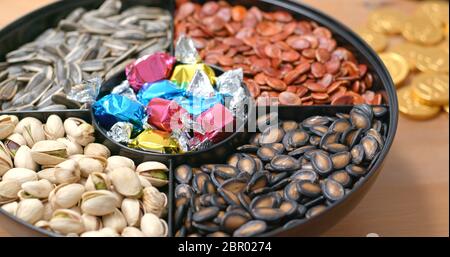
column 217, row 122
column 149, row 69
column 165, row 114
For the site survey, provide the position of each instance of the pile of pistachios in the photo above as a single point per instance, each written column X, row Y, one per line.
column 55, row 177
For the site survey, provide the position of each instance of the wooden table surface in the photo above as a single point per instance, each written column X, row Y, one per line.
column 411, row 195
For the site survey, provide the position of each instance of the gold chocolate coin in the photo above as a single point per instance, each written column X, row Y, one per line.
column 436, row 11
column 412, row 108
column 420, row 30
column 432, row 59
column 376, row 40
column 432, row 88
column 397, row 66
column 409, row 51
column 387, row 20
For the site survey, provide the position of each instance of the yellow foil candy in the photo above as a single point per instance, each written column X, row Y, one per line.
column 156, row 141
column 183, row 74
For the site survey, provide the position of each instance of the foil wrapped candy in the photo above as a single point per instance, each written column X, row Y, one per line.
column 113, row 108
column 149, row 68
column 161, row 89
column 121, row 132
column 156, row 141
column 183, row 74
column 185, row 51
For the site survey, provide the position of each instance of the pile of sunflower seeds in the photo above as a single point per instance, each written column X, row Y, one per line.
column 85, row 45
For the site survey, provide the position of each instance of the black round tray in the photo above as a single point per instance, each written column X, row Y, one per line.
column 223, row 148
column 30, row 26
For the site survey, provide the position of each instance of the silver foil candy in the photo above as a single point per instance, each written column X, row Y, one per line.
column 124, row 89
column 86, row 92
column 185, row 51
column 121, row 132
column 200, row 86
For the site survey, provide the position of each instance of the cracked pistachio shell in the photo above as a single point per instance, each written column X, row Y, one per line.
column 54, row 127
column 27, row 121
column 48, row 174
column 144, row 182
column 132, row 232
column 154, row 172
column 66, row 195
column 98, row 203
column 98, row 150
column 115, row 220
column 104, row 232
column 66, row 221
column 30, row 210
column 154, row 201
column 72, row 147
column 90, row 164
column 67, row 172
column 33, row 133
column 23, row 159
column 49, row 152
column 79, row 131
column 9, row 189
column 131, row 209
column 20, row 175
column 7, row 125
column 153, row 226
column 6, row 162
column 44, row 224
column 97, row 181
column 117, row 161
column 13, row 142
column 126, row 182
column 37, row 189
column 48, row 211
column 10, row 208
column 91, row 223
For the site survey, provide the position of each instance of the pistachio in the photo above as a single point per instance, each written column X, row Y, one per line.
column 67, row 221
column 115, row 220
column 131, row 211
column 79, row 131
column 91, row 223
column 126, row 182
column 66, row 195
column 90, row 164
column 132, row 232
column 10, row 208
column 144, row 182
column 37, row 189
column 104, row 232
column 43, row 224
column 154, row 172
column 33, row 133
column 119, row 161
column 13, row 142
column 23, row 159
column 152, row 226
column 48, row 174
column 97, row 181
column 7, row 125
column 30, row 210
column 54, row 127
column 5, row 159
column 98, row 203
column 20, row 175
column 72, row 147
column 98, row 150
column 67, row 172
column 26, row 122
column 48, row 211
column 49, row 152
column 8, row 190
column 154, row 201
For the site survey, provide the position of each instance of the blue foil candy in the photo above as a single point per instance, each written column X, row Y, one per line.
column 113, row 108
column 162, row 89
column 196, row 105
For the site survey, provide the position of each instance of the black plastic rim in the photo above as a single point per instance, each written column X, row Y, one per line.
column 362, row 49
